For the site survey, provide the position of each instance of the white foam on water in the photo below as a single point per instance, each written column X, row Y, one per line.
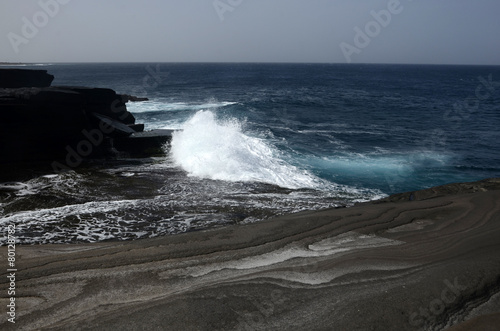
column 221, row 150
column 53, row 214
column 163, row 106
column 87, row 222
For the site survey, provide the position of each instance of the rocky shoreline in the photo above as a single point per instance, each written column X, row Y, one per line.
column 65, row 125
column 425, row 260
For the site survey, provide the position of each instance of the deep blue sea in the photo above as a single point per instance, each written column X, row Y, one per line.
column 259, row 140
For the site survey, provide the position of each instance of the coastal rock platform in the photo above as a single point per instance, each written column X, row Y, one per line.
column 425, row 260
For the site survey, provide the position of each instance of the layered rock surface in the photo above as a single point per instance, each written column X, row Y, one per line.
column 425, row 264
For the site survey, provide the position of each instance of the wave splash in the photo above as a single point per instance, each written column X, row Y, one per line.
column 221, row 150
column 154, row 106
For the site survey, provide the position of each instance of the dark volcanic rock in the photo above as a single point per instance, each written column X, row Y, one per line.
column 39, row 123
column 105, row 102
column 142, row 144
column 66, row 124
column 132, row 98
column 15, row 78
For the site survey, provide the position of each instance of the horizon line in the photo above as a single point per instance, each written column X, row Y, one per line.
column 243, row 62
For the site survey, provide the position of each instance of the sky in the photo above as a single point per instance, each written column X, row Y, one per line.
column 324, row 31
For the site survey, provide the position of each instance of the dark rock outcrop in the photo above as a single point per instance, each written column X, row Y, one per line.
column 127, row 98
column 142, row 144
column 16, row 78
column 66, row 124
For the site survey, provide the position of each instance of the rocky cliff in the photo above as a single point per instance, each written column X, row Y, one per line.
column 15, row 78
column 64, row 124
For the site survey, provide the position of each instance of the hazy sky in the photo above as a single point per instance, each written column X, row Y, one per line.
column 370, row 31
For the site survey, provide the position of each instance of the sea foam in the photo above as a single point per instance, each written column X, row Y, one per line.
column 165, row 106
column 211, row 148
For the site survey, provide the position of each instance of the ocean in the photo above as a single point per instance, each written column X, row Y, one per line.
column 254, row 141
